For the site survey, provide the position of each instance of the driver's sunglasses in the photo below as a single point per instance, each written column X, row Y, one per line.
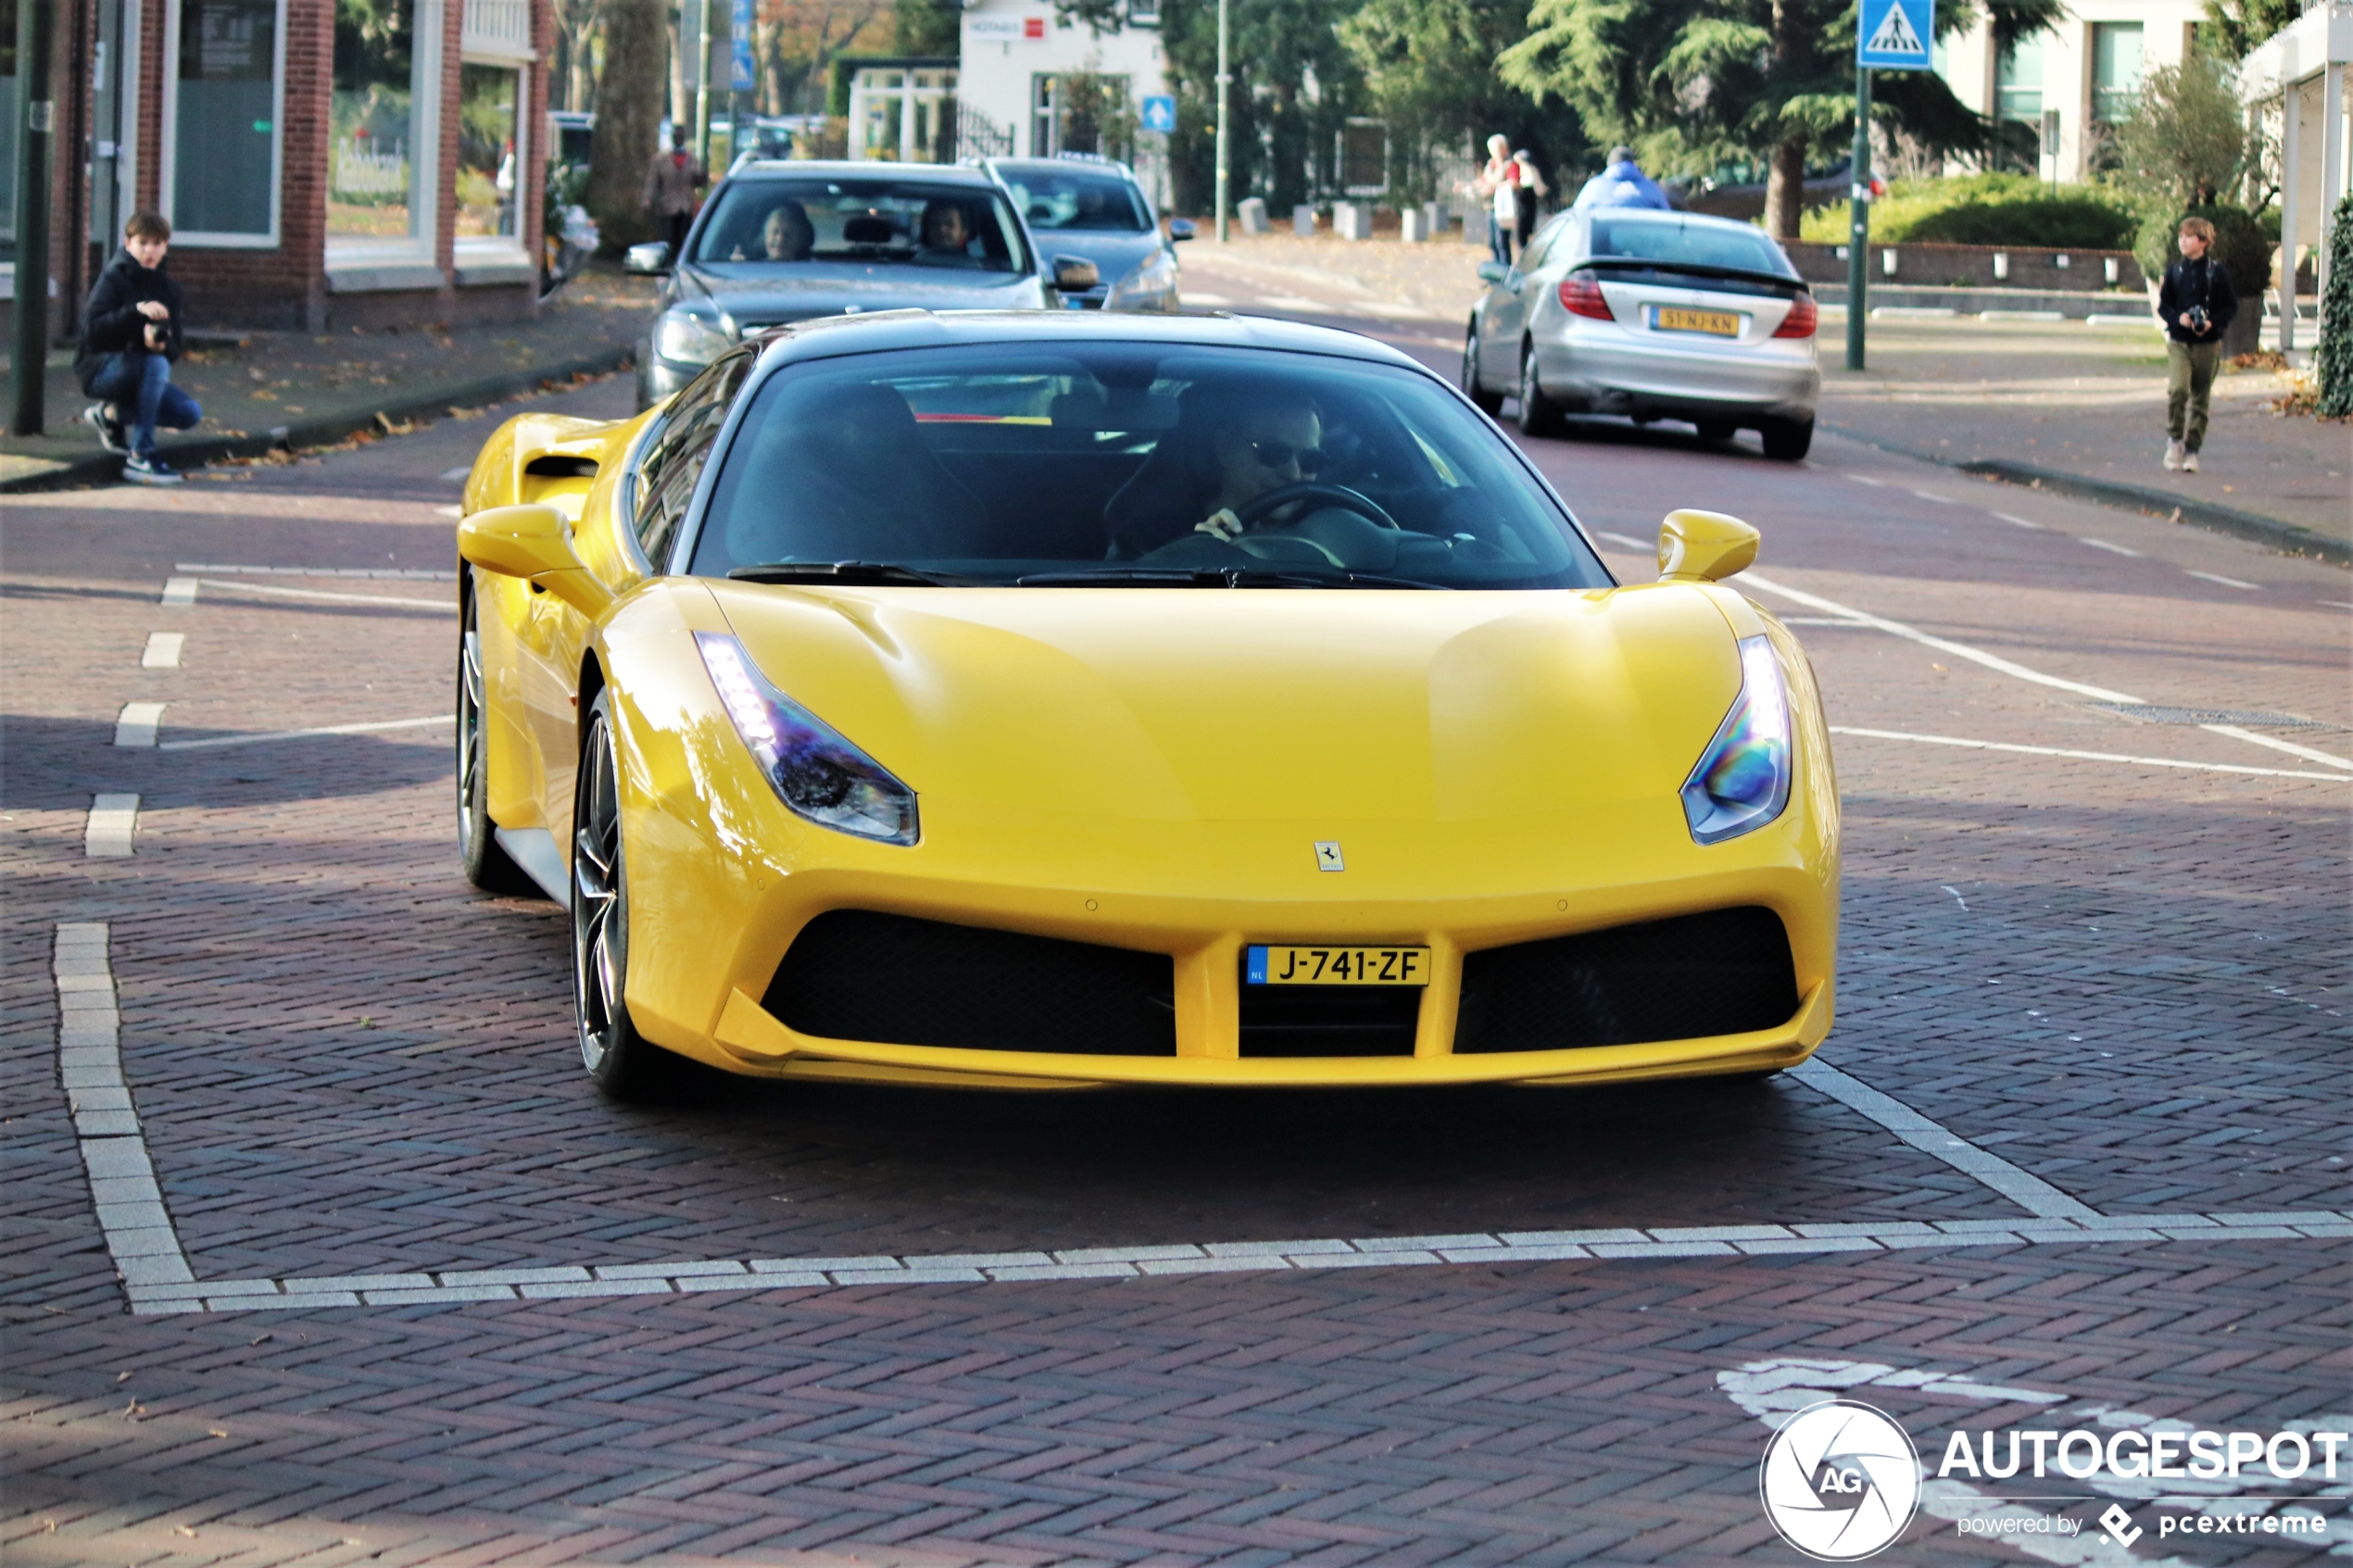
column 1280, row 454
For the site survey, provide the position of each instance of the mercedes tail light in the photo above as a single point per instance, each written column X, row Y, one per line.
column 1801, row 319
column 1581, row 296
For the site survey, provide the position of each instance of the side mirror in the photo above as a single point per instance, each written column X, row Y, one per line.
column 1489, row 272
column 535, row 544
column 1695, row 547
column 1074, row 274
column 652, row 258
column 1180, row 229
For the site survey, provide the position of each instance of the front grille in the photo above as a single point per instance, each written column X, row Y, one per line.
column 1723, row 973
column 853, row 975
column 1292, row 1021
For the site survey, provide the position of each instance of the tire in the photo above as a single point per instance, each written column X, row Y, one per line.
column 1787, row 440
column 1488, row 403
column 1717, row 431
column 625, row 1065
column 1538, row 414
column 486, row 865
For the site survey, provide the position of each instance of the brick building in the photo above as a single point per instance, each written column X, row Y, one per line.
column 324, row 163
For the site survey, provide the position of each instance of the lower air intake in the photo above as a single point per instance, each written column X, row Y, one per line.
column 852, row 974
column 1727, row 971
column 1295, row 1020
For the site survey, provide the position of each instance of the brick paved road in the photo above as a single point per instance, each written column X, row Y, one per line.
column 2127, row 980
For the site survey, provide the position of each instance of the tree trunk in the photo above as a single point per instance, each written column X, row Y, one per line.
column 1785, row 188
column 629, row 104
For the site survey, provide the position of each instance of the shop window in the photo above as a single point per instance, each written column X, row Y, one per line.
column 488, row 154
column 378, row 186
column 221, row 114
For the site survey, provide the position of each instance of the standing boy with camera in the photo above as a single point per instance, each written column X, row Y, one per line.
column 2196, row 304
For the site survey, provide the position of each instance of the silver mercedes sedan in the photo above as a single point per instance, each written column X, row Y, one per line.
column 1654, row 315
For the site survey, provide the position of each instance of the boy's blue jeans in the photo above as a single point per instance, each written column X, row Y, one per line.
column 139, row 385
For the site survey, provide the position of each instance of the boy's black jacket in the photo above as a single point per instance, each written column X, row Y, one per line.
column 112, row 322
column 2204, row 281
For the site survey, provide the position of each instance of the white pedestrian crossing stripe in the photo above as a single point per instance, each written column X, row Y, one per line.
column 1895, row 35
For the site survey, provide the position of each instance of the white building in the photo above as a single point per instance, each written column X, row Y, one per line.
column 2295, row 87
column 2083, row 71
column 1017, row 55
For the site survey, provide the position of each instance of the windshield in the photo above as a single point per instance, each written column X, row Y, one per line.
column 1673, row 242
column 1117, row 463
column 1078, row 198
column 913, row 222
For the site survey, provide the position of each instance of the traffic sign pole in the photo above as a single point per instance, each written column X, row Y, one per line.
column 1224, row 85
column 37, row 125
column 1858, row 230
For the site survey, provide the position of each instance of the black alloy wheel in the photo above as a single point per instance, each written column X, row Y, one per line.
column 1488, row 403
column 1539, row 415
column 484, row 863
column 624, row 1063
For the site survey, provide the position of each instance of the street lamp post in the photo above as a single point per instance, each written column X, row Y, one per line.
column 701, row 9
column 1858, row 232
column 30, row 347
column 1225, row 91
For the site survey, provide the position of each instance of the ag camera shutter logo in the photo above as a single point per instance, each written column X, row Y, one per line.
column 1840, row 1481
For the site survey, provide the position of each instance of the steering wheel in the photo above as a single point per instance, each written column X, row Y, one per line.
column 1251, row 513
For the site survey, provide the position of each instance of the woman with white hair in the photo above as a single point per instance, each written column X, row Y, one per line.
column 1498, row 186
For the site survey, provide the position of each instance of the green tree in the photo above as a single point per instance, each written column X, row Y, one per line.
column 2186, row 139
column 2236, row 26
column 1430, row 69
column 926, row 27
column 1694, row 84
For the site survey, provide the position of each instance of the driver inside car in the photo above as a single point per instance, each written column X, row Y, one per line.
column 1263, row 445
column 785, row 236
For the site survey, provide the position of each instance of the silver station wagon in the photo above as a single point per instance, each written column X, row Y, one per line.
column 1654, row 315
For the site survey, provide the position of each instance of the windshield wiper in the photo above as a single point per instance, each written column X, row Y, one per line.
column 843, row 571
column 1211, row 577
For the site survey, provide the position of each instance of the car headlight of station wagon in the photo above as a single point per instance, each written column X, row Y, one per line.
column 690, row 337
column 1150, row 278
column 1742, row 782
column 817, row 772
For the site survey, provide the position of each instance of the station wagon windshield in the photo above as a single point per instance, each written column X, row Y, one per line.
column 1125, row 464
column 1078, row 199
column 911, row 222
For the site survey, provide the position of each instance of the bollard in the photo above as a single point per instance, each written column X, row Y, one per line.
column 1252, row 214
column 1412, row 227
column 1887, row 263
column 1436, row 219
column 2000, row 267
column 1303, row 221
column 1352, row 220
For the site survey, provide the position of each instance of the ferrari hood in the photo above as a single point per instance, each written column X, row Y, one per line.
column 1212, row 705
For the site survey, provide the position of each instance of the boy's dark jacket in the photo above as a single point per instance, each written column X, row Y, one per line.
column 112, row 322
column 2204, row 281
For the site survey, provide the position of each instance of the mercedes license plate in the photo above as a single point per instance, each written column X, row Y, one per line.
column 1337, row 966
column 1717, row 323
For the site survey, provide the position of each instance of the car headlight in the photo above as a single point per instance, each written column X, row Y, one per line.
column 1743, row 779
column 689, row 338
column 1151, row 279
column 816, row 772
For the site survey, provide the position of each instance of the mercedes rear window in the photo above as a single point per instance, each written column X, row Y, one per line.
column 1671, row 243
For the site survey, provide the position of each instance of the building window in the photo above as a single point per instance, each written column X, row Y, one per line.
column 11, row 115
column 903, row 114
column 1363, row 157
column 2018, row 81
column 488, row 152
column 379, row 155
column 2116, row 71
column 1080, row 112
column 222, row 105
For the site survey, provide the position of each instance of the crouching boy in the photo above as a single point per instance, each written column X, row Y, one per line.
column 130, row 336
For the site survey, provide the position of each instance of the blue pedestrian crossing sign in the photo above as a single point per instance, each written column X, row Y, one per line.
column 1895, row 34
column 1159, row 113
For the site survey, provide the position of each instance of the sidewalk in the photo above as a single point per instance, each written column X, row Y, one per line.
column 261, row 390
column 2058, row 404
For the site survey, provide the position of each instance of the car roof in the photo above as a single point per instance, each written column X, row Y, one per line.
column 1061, row 165
column 842, row 168
column 830, row 336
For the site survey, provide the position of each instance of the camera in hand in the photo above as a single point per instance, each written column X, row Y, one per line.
column 2196, row 320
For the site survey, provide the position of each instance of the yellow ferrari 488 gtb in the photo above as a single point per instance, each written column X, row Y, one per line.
column 1054, row 698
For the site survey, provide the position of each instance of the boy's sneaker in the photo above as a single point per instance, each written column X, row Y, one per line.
column 2173, row 454
column 110, row 429
column 141, row 469
column 2189, row 462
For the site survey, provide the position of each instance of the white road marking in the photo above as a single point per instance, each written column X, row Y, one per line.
column 2029, row 1192
column 337, row 598
column 2021, row 521
column 162, row 651
column 1874, row 483
column 1627, row 540
column 1958, row 650
column 138, row 1229
column 1955, row 892
column 114, row 819
column 416, row 574
column 451, row 512
column 2337, row 604
column 2275, row 743
column 459, row 475
column 1932, row 495
column 217, row 741
column 2226, row 582
column 1821, row 620
column 2085, row 756
column 2104, row 545
column 179, row 593
column 134, row 727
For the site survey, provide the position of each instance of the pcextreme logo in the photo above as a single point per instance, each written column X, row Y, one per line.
column 1839, row 1480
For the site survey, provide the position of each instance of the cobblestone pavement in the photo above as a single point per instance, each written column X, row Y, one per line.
column 2124, row 979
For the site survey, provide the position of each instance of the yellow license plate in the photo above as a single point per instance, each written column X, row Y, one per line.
column 1720, row 323
column 1337, row 966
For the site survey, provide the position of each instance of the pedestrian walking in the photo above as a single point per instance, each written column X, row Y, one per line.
column 1497, row 185
column 130, row 333
column 1622, row 183
column 672, row 181
column 2196, row 304
column 1528, row 188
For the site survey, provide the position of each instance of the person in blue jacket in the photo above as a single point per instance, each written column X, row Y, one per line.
column 1623, row 183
